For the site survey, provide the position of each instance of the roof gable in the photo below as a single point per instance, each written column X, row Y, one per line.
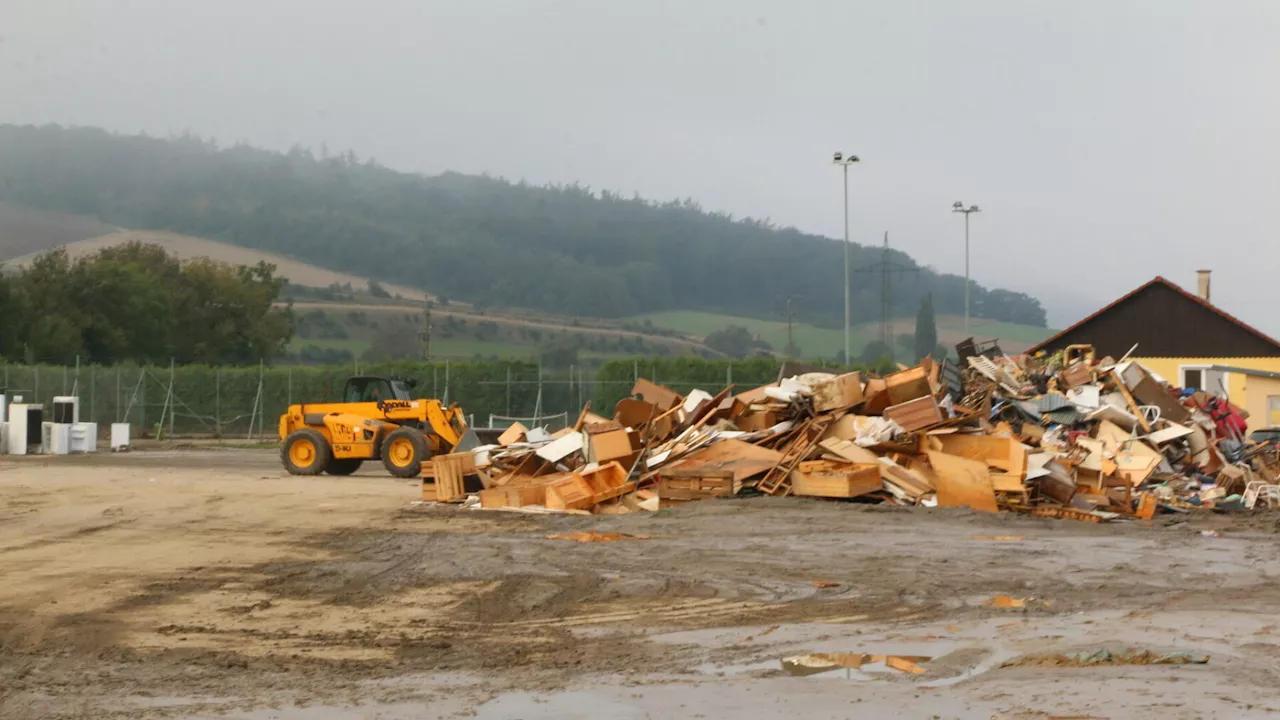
column 1165, row 321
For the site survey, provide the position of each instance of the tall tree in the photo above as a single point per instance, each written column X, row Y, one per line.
column 926, row 328
column 138, row 303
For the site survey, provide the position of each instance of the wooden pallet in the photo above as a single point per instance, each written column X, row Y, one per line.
column 778, row 480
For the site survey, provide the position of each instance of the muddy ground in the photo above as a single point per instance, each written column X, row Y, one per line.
column 194, row 584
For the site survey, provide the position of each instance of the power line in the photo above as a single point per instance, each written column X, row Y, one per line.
column 886, row 268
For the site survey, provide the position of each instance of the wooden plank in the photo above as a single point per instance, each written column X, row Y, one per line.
column 705, row 410
column 962, row 483
column 849, row 450
column 910, row 483
column 512, row 435
column 663, row 397
column 634, row 413
column 744, row 460
column 755, row 395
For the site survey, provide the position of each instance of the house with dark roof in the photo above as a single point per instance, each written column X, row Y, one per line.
column 1188, row 341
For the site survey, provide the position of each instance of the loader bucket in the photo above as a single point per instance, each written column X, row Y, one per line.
column 468, row 442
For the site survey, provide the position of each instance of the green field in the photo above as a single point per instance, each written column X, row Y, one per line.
column 453, row 349
column 817, row 342
column 354, row 346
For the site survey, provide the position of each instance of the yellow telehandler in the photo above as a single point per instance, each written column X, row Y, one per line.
column 377, row 419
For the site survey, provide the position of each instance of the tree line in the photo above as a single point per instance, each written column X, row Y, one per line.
column 563, row 249
column 137, row 303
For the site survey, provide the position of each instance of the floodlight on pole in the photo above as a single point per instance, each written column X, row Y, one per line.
column 958, row 207
column 844, row 163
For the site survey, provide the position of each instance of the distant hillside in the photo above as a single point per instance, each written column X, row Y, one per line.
column 815, row 342
column 25, row 230
column 565, row 250
column 185, row 247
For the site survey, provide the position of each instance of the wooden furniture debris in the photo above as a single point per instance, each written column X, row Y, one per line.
column 1082, row 439
column 962, row 483
column 915, row 414
column 824, row 478
column 907, row 385
column 778, row 479
column 697, row 484
column 839, row 393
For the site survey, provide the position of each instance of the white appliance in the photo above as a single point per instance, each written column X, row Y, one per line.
column 66, row 409
column 84, row 438
column 119, row 436
column 17, row 429
column 59, row 442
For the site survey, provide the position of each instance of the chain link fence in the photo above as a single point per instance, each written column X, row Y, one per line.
column 246, row 402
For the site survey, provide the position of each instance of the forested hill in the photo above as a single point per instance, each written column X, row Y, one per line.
column 487, row 241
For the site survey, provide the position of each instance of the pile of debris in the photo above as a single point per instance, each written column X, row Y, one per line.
column 1066, row 435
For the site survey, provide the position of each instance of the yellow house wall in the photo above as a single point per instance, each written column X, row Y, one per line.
column 1257, row 390
column 1247, row 392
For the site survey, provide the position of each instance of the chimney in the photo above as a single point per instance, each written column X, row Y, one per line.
column 1202, row 282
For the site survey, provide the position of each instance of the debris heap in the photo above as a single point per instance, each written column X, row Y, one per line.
column 1067, row 435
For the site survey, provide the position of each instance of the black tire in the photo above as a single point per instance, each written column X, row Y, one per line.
column 296, row 457
column 344, row 466
column 403, row 452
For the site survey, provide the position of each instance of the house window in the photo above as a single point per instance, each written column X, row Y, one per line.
column 1273, row 410
column 1200, row 377
column 1193, row 378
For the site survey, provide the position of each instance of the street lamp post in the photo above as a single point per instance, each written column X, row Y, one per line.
column 844, row 163
column 959, row 207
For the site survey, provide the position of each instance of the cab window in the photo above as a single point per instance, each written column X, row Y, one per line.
column 364, row 390
column 400, row 390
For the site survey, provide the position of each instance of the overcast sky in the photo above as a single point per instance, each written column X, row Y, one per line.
column 1108, row 141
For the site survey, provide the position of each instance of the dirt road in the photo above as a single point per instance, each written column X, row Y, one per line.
column 209, row 584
